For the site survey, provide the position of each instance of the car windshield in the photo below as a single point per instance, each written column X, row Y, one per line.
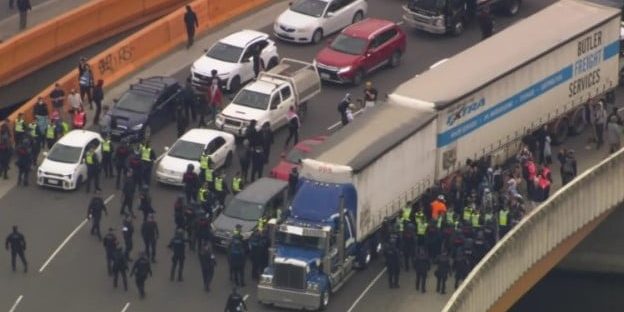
column 252, row 99
column 430, row 5
column 225, row 52
column 240, row 209
column 309, row 7
column 135, row 102
column 65, row 154
column 349, row 45
column 284, row 238
column 186, row 150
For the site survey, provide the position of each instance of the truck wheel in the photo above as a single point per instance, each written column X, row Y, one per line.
column 458, row 28
column 317, row 36
column 324, row 300
column 560, row 131
column 578, row 122
column 357, row 17
column 357, row 78
column 513, row 7
column 235, row 84
column 395, row 59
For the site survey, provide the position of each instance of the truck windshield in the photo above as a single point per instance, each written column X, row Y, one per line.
column 429, row 5
column 252, row 99
column 349, row 45
column 309, row 7
column 284, row 238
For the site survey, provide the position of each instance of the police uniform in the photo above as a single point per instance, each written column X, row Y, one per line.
column 393, row 265
column 207, row 262
column 110, row 245
column 147, row 158
column 128, row 232
column 120, row 267
column 17, row 243
column 149, row 231
column 107, row 158
column 236, row 260
column 178, row 246
column 96, row 207
column 93, row 170
column 237, row 184
column 141, row 269
column 221, row 189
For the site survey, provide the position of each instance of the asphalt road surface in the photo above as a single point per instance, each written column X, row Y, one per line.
column 75, row 279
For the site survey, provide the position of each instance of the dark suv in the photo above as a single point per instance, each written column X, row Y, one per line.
column 147, row 106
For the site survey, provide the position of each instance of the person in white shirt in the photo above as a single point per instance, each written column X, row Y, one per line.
column 75, row 101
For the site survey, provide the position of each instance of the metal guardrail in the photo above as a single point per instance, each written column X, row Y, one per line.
column 591, row 194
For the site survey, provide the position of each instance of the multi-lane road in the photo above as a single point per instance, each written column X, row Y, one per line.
column 67, row 266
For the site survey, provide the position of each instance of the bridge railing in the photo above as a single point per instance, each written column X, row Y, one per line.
column 575, row 205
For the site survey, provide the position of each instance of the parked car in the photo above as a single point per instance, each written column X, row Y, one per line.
column 63, row 166
column 293, row 157
column 232, row 58
column 360, row 49
column 146, row 107
column 262, row 198
column 187, row 149
column 267, row 100
column 311, row 20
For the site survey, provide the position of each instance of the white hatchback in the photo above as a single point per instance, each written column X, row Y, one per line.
column 311, row 20
column 63, row 166
column 187, row 149
column 231, row 57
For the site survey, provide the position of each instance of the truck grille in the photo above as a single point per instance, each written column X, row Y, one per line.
column 289, row 276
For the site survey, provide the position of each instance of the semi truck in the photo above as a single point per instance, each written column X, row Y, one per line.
column 480, row 102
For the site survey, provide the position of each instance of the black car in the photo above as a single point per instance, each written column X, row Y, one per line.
column 146, row 107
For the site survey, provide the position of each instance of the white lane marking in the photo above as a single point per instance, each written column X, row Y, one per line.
column 366, row 290
column 108, row 199
column 125, row 307
column 17, row 302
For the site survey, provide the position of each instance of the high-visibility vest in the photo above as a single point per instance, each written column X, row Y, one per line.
column 146, row 153
column 475, row 219
column 208, row 175
column 450, row 216
column 106, row 146
column 421, row 227
column 467, row 213
column 33, row 129
column 218, row 184
column 89, row 158
column 502, row 217
column 203, row 161
column 19, row 125
column 65, row 126
column 50, row 131
column 405, row 215
column 419, row 216
column 261, row 222
column 202, row 194
column 236, row 184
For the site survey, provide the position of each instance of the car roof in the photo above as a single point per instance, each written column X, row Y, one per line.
column 261, row 86
column 154, row 85
column 202, row 136
column 243, row 37
column 79, row 138
column 367, row 28
column 262, row 190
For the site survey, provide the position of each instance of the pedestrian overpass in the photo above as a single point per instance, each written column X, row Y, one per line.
column 542, row 239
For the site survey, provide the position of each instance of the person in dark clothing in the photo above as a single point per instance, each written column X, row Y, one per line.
column 393, row 262
column 110, row 245
column 189, row 101
column 23, row 161
column 568, row 168
column 257, row 62
column 93, row 169
column 208, row 263
column 140, row 270
column 177, row 245
column 293, row 179
column 128, row 195
column 486, row 22
column 149, row 231
column 98, row 97
column 342, row 109
column 293, row 127
column 191, row 23
column 134, row 164
column 94, row 213
column 408, row 242
column 461, row 266
column 182, row 121
column 203, row 231
column 244, row 158
column 257, row 163
column 147, row 160
column 191, row 183
column 120, row 267
column 121, row 161
column 178, row 213
column 235, row 302
column 23, row 6
column 421, row 266
column 236, row 260
column 127, row 231
column 57, row 96
column 145, row 203
column 443, row 267
column 266, row 137
column 252, row 135
column 256, row 251
column 17, row 244
column 616, row 114
column 5, row 157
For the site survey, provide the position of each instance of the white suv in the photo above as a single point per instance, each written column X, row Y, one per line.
column 311, row 20
column 232, row 58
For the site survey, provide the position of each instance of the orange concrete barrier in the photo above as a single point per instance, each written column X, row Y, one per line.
column 75, row 30
column 147, row 44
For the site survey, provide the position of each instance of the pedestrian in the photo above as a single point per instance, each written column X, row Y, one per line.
column 127, row 194
column 421, row 266
column 23, row 6
column 266, row 139
column 57, row 97
column 149, row 231
column 293, row 180
column 600, row 120
column 251, row 134
column 147, row 159
column 177, row 245
column 16, row 242
column 257, row 163
column 235, row 302
column 79, row 119
column 191, row 23
column 122, row 151
column 237, row 183
column 293, row 127
column 24, row 161
column 85, row 81
column 214, row 98
column 94, row 213
column 145, row 203
column 614, row 135
column 191, row 183
column 257, row 60
column 140, row 270
column 393, row 262
column 568, row 168
column 5, row 156
column 486, row 22
column 208, row 262
column 107, row 156
column 98, row 97
column 342, row 109
column 189, row 100
column 350, row 112
column 75, row 101
column 244, row 159
column 236, row 260
column 120, row 267
column 182, row 121
column 443, row 267
column 127, row 232
column 93, row 169
column 547, row 150
column 110, row 243
column 370, row 95
column 41, row 116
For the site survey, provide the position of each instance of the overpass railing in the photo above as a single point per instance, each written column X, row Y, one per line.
column 587, row 197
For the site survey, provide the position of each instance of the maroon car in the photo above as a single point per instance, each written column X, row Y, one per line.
column 294, row 156
column 360, row 49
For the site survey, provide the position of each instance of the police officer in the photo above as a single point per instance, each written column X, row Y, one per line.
column 461, row 266
column 149, row 231
column 50, row 134
column 127, row 232
column 203, row 231
column 5, row 157
column 17, row 243
column 23, row 161
column 443, row 267
column 110, row 245
column 147, row 158
column 237, row 232
column 120, row 267
column 107, row 156
column 393, row 262
column 503, row 221
column 94, row 213
column 145, row 203
column 19, row 129
column 236, row 260
column 205, row 162
column 255, row 253
column 121, row 161
column 35, row 143
column 128, row 194
column 207, row 262
column 178, row 213
column 208, row 175
column 177, row 245
column 141, row 269
column 134, row 164
column 421, row 266
column 235, row 302
column 221, row 188
column 408, row 242
column 257, row 163
column 202, row 195
column 293, row 179
column 93, row 169
column 237, row 183
column 191, row 183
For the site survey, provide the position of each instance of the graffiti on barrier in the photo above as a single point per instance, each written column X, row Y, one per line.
column 111, row 61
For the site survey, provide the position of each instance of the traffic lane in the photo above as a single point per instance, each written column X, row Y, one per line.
column 6, row 12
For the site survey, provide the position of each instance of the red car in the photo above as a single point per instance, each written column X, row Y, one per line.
column 360, row 49
column 294, row 156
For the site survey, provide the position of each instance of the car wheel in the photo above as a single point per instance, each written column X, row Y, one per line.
column 324, row 300
column 147, row 132
column 359, row 15
column 395, row 59
column 272, row 63
column 513, row 7
column 357, row 78
column 235, row 84
column 228, row 160
column 317, row 36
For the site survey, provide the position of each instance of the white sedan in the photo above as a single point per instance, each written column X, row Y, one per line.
column 187, row 149
column 63, row 167
column 311, row 20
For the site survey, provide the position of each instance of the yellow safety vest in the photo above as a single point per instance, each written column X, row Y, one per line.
column 202, row 194
column 65, row 127
column 50, row 132
column 261, row 222
column 208, row 175
column 146, row 153
column 419, row 216
column 502, row 217
column 33, row 129
column 236, row 184
column 407, row 211
column 450, row 216
column 89, row 158
column 203, row 161
column 106, row 146
column 218, row 184
column 421, row 227
column 475, row 219
column 19, row 125
column 467, row 214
